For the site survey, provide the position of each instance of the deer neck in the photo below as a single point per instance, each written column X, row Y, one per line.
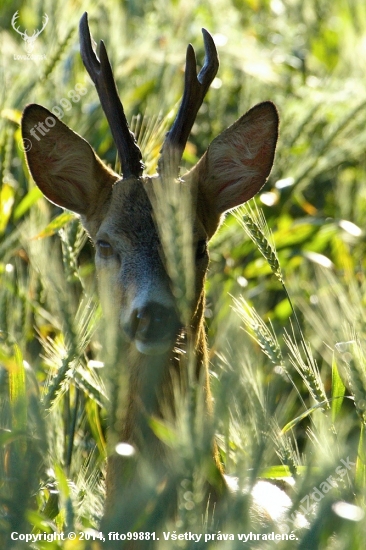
column 152, row 380
column 151, row 389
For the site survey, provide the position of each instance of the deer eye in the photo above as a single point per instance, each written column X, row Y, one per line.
column 201, row 249
column 105, row 249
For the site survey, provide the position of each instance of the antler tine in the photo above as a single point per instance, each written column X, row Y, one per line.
column 100, row 72
column 195, row 89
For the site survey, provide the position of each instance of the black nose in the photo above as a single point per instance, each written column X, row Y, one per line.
column 152, row 322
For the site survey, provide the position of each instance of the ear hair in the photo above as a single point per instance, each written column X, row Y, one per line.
column 237, row 163
column 62, row 163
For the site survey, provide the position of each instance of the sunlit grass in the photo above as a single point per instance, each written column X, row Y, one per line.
column 290, row 395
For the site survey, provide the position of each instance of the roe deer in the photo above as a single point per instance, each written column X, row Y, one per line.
column 119, row 214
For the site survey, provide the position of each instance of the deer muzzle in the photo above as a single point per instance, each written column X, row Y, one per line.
column 153, row 328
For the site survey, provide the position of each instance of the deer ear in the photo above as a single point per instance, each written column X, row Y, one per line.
column 62, row 163
column 238, row 162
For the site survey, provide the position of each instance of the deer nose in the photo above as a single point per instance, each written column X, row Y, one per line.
column 152, row 323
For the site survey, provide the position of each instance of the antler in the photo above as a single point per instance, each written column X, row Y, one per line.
column 100, row 72
column 13, row 20
column 195, row 89
column 45, row 21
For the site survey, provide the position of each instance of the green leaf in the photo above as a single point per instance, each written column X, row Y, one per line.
column 41, row 521
column 6, row 205
column 274, row 472
column 338, row 390
column 55, row 225
column 298, row 419
column 17, row 390
column 279, row 471
column 14, row 115
column 25, row 204
column 162, row 431
column 62, row 481
column 9, row 436
column 360, row 462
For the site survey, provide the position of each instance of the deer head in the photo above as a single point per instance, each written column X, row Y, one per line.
column 121, row 215
column 118, row 211
column 29, row 40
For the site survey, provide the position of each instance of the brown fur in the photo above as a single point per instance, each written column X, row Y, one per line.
column 121, row 213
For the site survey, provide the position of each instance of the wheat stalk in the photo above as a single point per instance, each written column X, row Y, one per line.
column 265, row 337
column 253, row 222
column 308, row 371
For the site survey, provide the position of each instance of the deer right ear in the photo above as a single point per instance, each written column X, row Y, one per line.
column 62, row 163
column 238, row 162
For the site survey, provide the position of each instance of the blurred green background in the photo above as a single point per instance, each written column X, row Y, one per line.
column 279, row 414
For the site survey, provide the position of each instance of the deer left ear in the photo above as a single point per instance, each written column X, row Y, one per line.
column 238, row 162
column 63, row 164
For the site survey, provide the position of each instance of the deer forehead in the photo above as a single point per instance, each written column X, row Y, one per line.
column 129, row 220
column 129, row 216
